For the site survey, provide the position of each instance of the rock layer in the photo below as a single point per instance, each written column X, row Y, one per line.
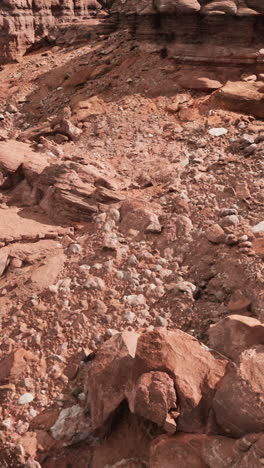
column 22, row 22
column 216, row 26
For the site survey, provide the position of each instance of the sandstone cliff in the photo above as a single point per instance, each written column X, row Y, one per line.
column 217, row 27
column 219, row 32
column 22, row 22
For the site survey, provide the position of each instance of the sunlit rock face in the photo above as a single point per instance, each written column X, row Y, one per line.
column 22, row 22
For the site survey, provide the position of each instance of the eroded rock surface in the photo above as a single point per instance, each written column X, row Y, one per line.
column 131, row 234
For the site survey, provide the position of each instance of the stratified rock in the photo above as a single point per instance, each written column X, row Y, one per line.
column 177, row 6
column 23, row 22
column 240, row 96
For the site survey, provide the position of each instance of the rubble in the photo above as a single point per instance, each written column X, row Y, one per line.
column 131, row 234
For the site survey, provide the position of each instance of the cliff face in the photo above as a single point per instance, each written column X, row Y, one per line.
column 214, row 31
column 22, row 22
column 184, row 23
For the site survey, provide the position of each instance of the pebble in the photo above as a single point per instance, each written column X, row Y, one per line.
column 114, row 214
column 228, row 212
column 258, row 227
column 74, row 249
column 243, row 238
column 185, row 286
column 248, row 139
column 245, row 244
column 132, row 260
column 161, row 321
column 231, row 220
column 231, row 239
column 94, row 282
column 25, row 398
column 250, row 149
column 215, row 234
column 217, row 131
column 32, row 464
column 129, row 316
column 16, row 262
column 135, row 300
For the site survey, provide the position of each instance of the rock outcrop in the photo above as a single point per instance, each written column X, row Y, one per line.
column 226, row 30
column 23, row 22
column 210, row 408
column 216, row 33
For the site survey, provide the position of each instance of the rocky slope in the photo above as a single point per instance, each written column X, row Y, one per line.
column 131, row 252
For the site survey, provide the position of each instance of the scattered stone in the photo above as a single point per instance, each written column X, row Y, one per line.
column 25, row 398
column 258, row 228
column 231, row 220
column 217, row 131
column 215, row 234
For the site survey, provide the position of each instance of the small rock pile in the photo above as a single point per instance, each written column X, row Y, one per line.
column 196, row 403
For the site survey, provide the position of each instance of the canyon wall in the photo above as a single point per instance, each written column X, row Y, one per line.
column 210, row 31
column 186, row 24
column 22, row 22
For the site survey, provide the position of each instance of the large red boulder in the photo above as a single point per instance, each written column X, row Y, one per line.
column 196, row 372
column 239, row 402
column 109, row 376
column 235, row 333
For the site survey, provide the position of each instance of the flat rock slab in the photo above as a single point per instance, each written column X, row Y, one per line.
column 17, row 224
column 14, row 153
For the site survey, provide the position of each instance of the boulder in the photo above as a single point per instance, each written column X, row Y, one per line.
column 239, row 401
column 109, row 376
column 179, row 6
column 240, row 96
column 195, row 371
column 234, row 334
column 153, row 397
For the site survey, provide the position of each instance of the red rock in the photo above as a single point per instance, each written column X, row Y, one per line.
column 196, row 377
column 45, row 420
column 239, row 401
column 202, row 451
column 153, row 397
column 15, row 364
column 215, row 234
column 138, row 215
column 235, row 333
column 182, row 6
column 238, row 302
column 29, row 443
column 240, row 96
column 110, row 373
column 26, row 23
column 180, row 450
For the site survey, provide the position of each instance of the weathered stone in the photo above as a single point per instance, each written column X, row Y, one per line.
column 195, row 377
column 110, row 373
column 234, row 334
column 239, row 401
column 215, row 234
